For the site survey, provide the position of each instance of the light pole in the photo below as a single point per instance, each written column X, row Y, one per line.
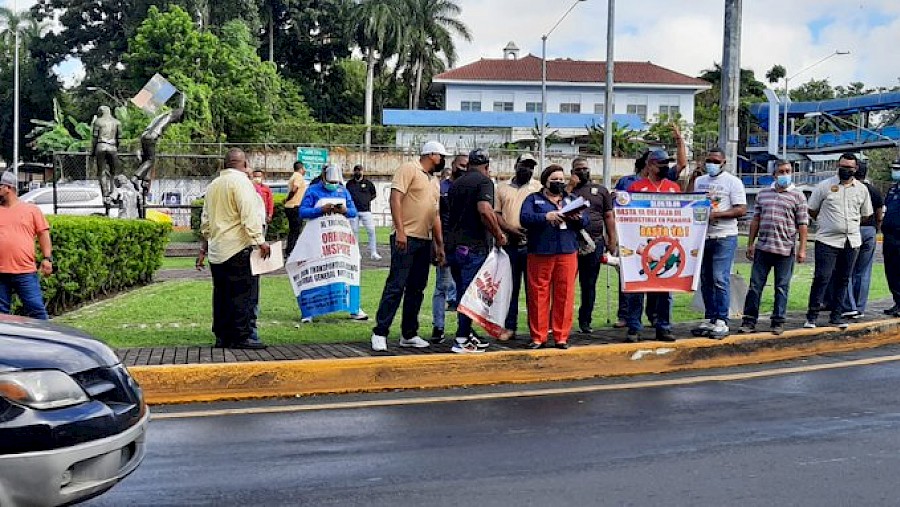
column 787, row 98
column 16, row 95
column 608, row 102
column 544, row 82
column 817, row 114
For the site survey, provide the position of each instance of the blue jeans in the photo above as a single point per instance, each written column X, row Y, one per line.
column 28, row 287
column 858, row 290
column 833, row 266
column 715, row 276
column 659, row 310
column 464, row 264
column 518, row 261
column 444, row 290
column 763, row 262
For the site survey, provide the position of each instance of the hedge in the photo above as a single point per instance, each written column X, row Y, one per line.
column 277, row 230
column 95, row 256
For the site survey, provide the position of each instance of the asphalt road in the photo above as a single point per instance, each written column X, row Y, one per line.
column 816, row 438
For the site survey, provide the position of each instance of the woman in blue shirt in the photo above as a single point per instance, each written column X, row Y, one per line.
column 552, row 258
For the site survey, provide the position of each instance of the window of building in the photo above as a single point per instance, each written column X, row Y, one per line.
column 637, row 104
column 470, row 105
column 532, row 107
column 669, row 106
column 569, row 107
column 503, row 107
column 599, row 108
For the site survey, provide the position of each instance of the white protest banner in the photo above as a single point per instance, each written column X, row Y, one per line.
column 324, row 267
column 661, row 240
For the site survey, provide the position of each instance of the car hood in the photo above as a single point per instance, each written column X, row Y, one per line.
column 27, row 344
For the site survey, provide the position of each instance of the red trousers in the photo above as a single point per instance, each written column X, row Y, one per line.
column 551, row 280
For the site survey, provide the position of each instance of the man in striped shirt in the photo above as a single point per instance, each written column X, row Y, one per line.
column 780, row 216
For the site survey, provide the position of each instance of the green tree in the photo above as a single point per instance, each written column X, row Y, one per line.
column 624, row 143
column 776, row 73
column 378, row 31
column 812, row 90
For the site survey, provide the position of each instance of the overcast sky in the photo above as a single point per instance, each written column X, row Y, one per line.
column 686, row 35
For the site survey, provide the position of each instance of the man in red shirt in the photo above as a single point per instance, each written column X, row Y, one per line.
column 659, row 304
column 20, row 223
column 259, row 176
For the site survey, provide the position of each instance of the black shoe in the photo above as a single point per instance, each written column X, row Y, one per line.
column 220, row 345
column 777, row 329
column 893, row 311
column 534, row 345
column 585, row 328
column 838, row 323
column 665, row 335
column 562, row 345
column 633, row 336
column 437, row 335
column 248, row 344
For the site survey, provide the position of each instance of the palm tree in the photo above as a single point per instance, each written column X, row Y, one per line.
column 431, row 25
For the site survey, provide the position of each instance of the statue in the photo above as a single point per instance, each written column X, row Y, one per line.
column 127, row 197
column 149, row 138
column 106, row 131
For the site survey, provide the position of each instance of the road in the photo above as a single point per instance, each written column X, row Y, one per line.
column 816, row 438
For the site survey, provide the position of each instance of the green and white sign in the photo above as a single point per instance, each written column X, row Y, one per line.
column 314, row 159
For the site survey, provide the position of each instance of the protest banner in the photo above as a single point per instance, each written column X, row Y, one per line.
column 324, row 267
column 661, row 240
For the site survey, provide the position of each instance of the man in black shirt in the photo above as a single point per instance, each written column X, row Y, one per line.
column 857, row 296
column 471, row 217
column 602, row 229
column 363, row 193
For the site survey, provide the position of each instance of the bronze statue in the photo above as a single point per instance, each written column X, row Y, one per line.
column 127, row 197
column 106, row 131
column 149, row 139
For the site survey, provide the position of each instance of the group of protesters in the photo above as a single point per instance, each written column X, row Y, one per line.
column 448, row 213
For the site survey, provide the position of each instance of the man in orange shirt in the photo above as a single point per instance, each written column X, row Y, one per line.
column 20, row 223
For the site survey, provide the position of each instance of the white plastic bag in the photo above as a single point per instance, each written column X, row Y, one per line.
column 486, row 300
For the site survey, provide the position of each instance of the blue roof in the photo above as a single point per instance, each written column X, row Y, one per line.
column 844, row 106
column 487, row 119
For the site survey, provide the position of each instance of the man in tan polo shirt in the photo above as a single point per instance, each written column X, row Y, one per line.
column 417, row 239
column 296, row 189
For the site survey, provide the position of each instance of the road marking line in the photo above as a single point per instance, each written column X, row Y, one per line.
column 423, row 400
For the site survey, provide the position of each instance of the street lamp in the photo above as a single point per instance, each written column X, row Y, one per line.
column 787, row 98
column 544, row 81
column 830, row 116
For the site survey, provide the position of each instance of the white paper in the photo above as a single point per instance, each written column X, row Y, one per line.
column 275, row 261
column 576, row 204
column 336, row 201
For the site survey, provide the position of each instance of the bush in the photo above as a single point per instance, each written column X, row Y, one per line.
column 97, row 255
column 277, row 230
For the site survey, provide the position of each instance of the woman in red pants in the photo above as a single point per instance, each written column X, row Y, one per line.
column 552, row 258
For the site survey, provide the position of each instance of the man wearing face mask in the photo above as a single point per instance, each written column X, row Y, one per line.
column 363, row 192
column 445, row 296
column 510, row 196
column 857, row 296
column 416, row 241
column 602, row 229
column 890, row 229
column 729, row 202
column 777, row 236
column 259, row 177
column 838, row 204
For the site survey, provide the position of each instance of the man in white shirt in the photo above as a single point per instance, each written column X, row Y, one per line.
column 729, row 202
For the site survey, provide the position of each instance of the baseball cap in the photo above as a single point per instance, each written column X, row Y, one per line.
column 659, row 156
column 435, row 147
column 479, row 157
column 9, row 179
column 526, row 157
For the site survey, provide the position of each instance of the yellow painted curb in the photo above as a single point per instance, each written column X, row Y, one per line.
column 267, row 379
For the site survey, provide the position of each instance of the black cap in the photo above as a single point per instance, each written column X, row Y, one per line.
column 479, row 157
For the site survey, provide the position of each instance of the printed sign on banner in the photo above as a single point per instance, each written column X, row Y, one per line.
column 324, row 267
column 661, row 240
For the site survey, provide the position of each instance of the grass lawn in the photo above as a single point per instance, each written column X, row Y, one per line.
column 178, row 262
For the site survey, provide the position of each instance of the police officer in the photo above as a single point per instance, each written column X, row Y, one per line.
column 891, row 246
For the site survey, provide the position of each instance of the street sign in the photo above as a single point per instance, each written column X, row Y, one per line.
column 314, row 159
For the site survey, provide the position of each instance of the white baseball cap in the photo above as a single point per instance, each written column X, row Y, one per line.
column 435, row 147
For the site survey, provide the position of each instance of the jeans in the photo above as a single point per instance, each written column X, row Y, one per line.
column 464, row 265
column 235, row 293
column 659, row 310
column 763, row 262
column 715, row 276
column 857, row 295
column 406, row 281
column 588, row 271
column 28, row 287
column 891, row 250
column 833, row 267
column 444, row 290
column 295, row 225
column 518, row 261
column 369, row 223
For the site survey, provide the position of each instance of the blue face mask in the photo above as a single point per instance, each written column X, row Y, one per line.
column 895, row 174
column 332, row 186
column 713, row 169
column 784, row 180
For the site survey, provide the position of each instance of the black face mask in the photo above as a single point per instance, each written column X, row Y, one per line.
column 523, row 175
column 357, row 176
column 845, row 174
column 440, row 166
column 583, row 176
column 556, row 187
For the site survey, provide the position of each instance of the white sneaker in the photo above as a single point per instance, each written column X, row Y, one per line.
column 306, row 320
column 809, row 325
column 467, row 347
column 719, row 330
column 415, row 341
column 375, row 257
column 379, row 343
column 360, row 315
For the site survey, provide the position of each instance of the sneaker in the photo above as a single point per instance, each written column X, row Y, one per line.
column 893, row 311
column 720, row 330
column 809, row 324
column 379, row 343
column 839, row 323
column 470, row 346
column 747, row 327
column 414, row 342
column 859, row 315
column 248, row 344
column 852, row 314
column 360, row 315
column 585, row 328
column 437, row 335
column 633, row 336
column 665, row 335
column 704, row 329
column 777, row 329
column 306, row 320
column 479, row 342
column 375, row 257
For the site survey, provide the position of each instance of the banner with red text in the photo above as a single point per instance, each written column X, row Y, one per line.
column 324, row 267
column 661, row 240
